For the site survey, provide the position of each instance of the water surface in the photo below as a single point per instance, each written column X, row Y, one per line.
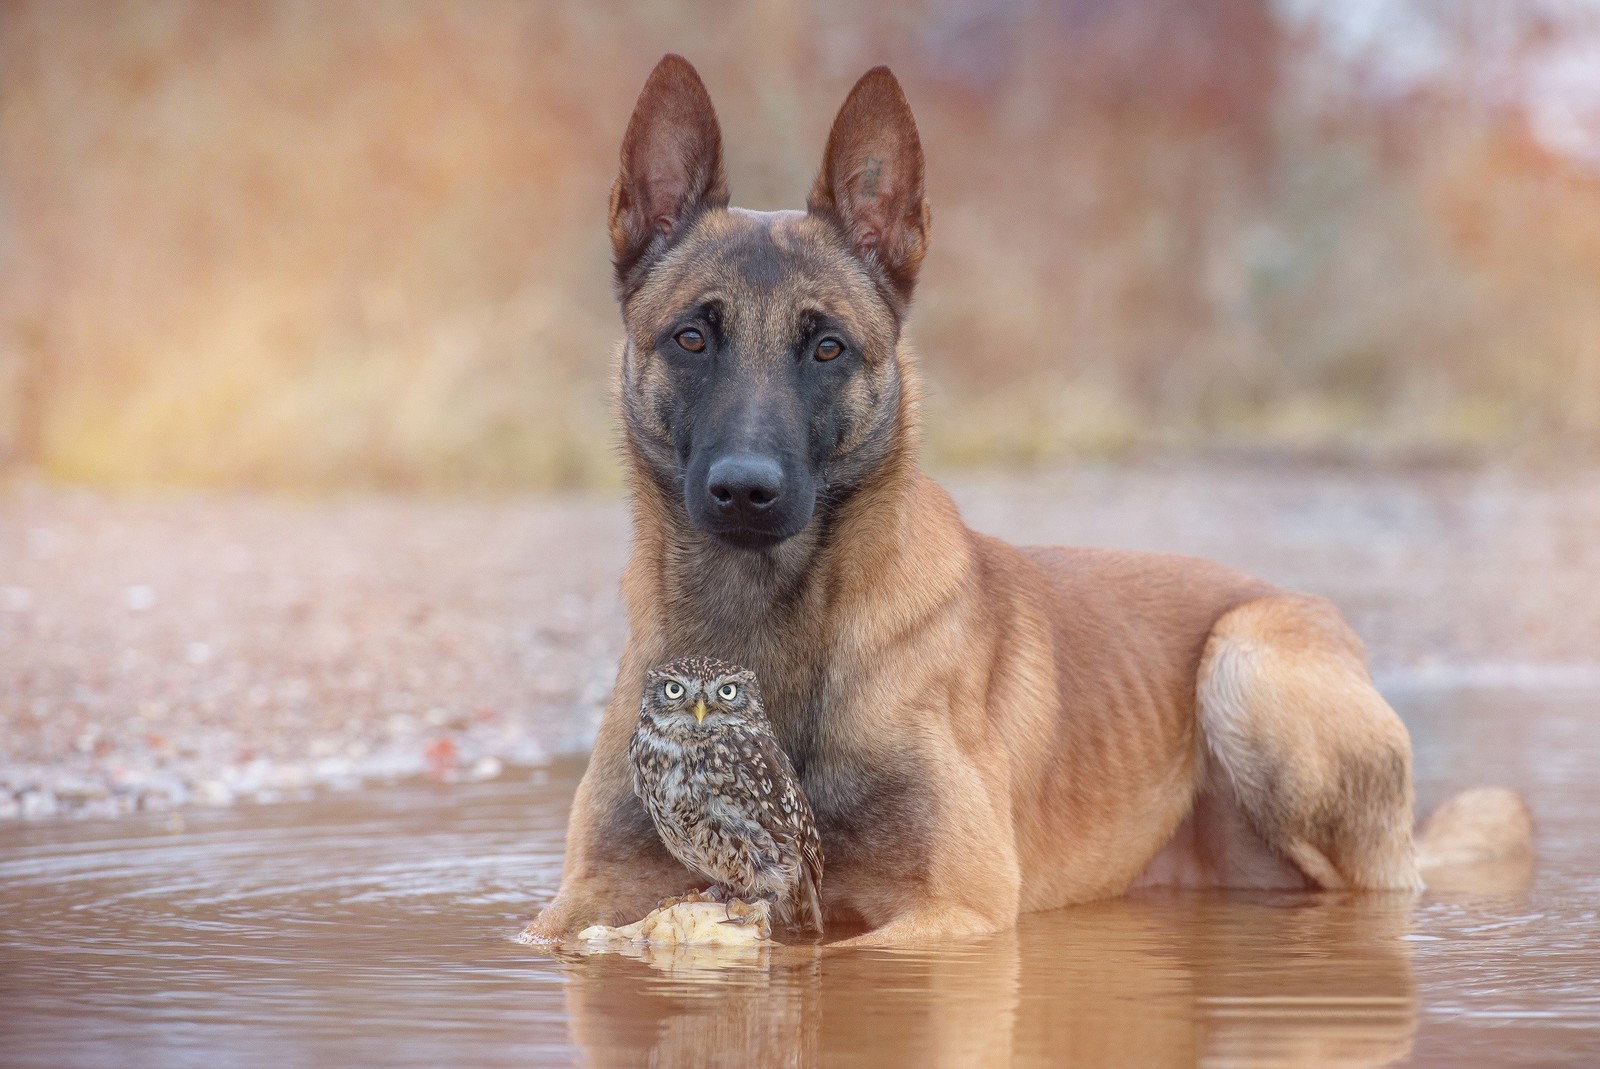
column 375, row 927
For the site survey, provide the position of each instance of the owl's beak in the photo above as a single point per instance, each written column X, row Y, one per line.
column 699, row 710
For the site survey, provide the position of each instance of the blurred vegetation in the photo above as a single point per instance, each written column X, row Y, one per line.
column 305, row 244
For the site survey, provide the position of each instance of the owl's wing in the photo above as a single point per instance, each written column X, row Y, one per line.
column 635, row 769
column 811, row 872
column 787, row 816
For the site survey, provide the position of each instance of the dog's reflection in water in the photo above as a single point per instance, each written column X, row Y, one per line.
column 1305, row 979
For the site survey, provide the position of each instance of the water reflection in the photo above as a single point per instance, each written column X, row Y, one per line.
column 377, row 927
column 1162, row 980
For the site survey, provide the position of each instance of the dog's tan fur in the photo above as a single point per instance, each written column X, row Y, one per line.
column 1019, row 729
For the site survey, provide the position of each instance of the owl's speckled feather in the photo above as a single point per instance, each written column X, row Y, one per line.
column 721, row 792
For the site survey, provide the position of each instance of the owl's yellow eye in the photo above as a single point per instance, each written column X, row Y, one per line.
column 673, row 690
column 727, row 692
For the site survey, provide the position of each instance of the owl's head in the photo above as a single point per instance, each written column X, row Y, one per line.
column 700, row 693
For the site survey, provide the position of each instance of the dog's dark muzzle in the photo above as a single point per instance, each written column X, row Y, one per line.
column 749, row 500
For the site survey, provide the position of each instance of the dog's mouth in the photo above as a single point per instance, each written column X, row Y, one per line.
column 749, row 538
column 752, row 533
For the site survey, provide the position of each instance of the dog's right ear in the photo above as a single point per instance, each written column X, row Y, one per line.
column 871, row 182
column 671, row 168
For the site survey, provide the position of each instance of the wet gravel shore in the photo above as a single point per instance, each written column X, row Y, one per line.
column 159, row 651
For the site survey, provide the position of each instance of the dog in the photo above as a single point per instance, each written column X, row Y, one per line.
column 982, row 730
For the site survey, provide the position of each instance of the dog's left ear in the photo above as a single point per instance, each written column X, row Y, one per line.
column 871, row 180
column 671, row 166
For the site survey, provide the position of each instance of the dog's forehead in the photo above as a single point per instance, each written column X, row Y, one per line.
column 776, row 264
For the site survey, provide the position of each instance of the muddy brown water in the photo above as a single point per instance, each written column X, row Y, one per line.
column 375, row 928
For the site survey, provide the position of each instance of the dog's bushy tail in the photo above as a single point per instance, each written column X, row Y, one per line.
column 1484, row 824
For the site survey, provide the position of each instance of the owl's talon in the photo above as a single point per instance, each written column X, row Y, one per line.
column 692, row 896
column 745, row 913
column 755, row 917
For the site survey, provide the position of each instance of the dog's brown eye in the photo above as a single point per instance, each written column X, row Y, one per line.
column 692, row 340
column 828, row 348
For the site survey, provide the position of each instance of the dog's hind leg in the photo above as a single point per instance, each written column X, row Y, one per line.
column 1305, row 745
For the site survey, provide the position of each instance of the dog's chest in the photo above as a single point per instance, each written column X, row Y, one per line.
column 875, row 815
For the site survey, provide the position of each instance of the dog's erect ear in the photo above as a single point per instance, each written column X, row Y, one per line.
column 871, row 179
column 671, row 166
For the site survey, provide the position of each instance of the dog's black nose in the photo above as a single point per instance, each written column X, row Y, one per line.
column 746, row 484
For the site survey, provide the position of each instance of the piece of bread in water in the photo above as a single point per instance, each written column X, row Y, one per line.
column 696, row 923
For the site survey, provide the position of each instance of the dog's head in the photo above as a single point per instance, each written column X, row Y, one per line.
column 760, row 374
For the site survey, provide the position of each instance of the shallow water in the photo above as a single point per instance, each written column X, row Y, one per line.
column 376, row 928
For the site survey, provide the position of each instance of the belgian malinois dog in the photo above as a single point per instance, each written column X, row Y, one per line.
column 982, row 730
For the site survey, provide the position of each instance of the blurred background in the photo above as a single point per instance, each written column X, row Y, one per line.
column 304, row 304
column 309, row 245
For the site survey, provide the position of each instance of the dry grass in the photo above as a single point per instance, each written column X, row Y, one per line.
column 293, row 243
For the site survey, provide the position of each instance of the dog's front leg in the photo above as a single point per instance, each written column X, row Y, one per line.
column 932, row 922
column 613, row 895
column 972, row 895
column 611, row 878
column 972, row 882
column 616, row 868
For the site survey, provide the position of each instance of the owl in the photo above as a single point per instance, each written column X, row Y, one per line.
column 722, row 793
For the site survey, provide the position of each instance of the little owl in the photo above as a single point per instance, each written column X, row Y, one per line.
column 722, row 793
